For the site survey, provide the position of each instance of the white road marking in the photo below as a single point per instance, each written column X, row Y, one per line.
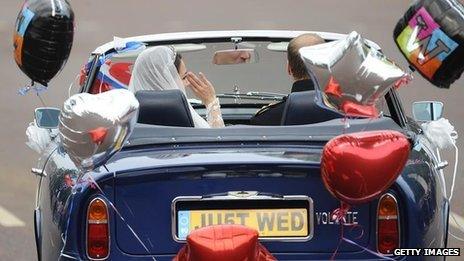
column 457, row 218
column 7, row 219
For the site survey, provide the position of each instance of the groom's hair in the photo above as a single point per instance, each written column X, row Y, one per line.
column 295, row 62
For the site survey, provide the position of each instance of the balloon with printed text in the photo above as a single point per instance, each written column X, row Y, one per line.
column 431, row 37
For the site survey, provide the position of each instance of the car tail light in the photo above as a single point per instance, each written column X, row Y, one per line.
column 98, row 240
column 388, row 228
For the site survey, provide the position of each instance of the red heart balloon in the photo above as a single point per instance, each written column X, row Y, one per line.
column 224, row 242
column 358, row 167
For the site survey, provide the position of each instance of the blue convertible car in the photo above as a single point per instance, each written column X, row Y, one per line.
column 170, row 178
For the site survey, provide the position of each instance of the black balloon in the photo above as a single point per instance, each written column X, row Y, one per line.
column 43, row 38
column 431, row 36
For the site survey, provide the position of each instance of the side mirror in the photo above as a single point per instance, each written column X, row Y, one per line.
column 235, row 56
column 47, row 117
column 427, row 110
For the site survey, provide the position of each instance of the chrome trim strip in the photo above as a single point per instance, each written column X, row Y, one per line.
column 87, row 230
column 377, row 223
column 254, row 197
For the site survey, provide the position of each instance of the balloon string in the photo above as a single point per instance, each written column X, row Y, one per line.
column 353, row 226
column 459, row 225
column 334, row 254
column 452, row 137
column 456, row 237
column 38, row 88
column 92, row 180
column 72, row 85
column 349, row 241
column 456, row 161
column 367, row 249
column 346, row 124
column 342, row 237
column 42, row 101
column 339, row 214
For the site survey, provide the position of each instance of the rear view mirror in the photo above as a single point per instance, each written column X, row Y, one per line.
column 235, row 56
column 47, row 117
column 427, row 110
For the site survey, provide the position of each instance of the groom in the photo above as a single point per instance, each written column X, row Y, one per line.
column 272, row 113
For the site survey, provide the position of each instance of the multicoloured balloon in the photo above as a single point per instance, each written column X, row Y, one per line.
column 358, row 167
column 351, row 75
column 43, row 38
column 431, row 37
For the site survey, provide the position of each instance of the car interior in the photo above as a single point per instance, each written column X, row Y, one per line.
column 243, row 86
column 169, row 108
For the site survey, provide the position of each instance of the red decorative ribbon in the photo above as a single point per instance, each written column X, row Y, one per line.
column 358, row 110
column 403, row 81
column 333, row 88
column 92, row 183
column 98, row 135
column 339, row 214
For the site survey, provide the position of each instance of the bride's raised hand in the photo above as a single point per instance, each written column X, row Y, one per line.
column 201, row 87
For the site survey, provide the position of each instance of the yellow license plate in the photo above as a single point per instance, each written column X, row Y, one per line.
column 270, row 223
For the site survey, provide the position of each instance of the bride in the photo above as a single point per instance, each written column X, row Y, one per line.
column 160, row 68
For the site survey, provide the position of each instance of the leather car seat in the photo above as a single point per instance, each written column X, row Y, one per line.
column 166, row 108
column 301, row 108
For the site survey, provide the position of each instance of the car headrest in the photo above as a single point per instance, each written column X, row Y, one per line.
column 301, row 108
column 167, row 108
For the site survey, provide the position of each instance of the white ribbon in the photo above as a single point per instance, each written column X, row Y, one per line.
column 38, row 139
column 442, row 135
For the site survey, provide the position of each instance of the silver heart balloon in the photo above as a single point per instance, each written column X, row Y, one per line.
column 93, row 127
column 350, row 74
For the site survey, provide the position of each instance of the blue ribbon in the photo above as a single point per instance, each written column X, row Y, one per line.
column 37, row 88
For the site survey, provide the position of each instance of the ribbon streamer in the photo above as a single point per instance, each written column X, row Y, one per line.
column 343, row 238
column 367, row 249
column 92, row 181
column 404, row 81
column 93, row 184
column 442, row 135
column 339, row 214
